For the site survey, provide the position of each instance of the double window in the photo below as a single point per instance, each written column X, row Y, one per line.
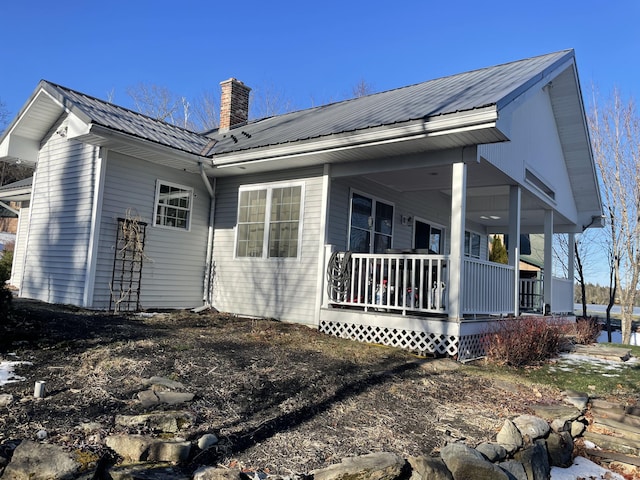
column 269, row 221
column 173, row 205
column 371, row 225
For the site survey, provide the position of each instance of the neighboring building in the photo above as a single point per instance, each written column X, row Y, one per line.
column 257, row 217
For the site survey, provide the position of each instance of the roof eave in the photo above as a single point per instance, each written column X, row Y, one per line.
column 477, row 119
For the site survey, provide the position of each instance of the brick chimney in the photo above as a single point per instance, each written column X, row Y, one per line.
column 234, row 104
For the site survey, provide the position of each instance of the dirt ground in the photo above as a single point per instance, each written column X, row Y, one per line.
column 282, row 398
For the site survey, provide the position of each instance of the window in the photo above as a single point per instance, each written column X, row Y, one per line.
column 427, row 236
column 173, row 205
column 472, row 244
column 275, row 210
column 371, row 225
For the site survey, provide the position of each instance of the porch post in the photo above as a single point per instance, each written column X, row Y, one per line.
column 515, row 195
column 548, row 260
column 458, row 212
column 323, row 248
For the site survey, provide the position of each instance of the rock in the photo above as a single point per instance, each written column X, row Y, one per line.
column 174, row 398
column 515, row 468
column 428, row 468
column 37, row 461
column 531, row 426
column 535, row 460
column 465, row 463
column 165, row 382
column 146, row 472
column 577, row 429
column 170, row 422
column 6, row 399
column 509, row 437
column 41, row 434
column 135, row 448
column 374, row 466
column 132, row 447
column 148, row 398
column 560, row 448
column 207, row 440
column 89, row 426
column 492, row 451
column 214, row 473
column 556, row 412
column 577, row 399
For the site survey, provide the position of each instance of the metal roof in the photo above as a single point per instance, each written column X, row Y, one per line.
column 496, row 86
column 119, row 119
column 491, row 86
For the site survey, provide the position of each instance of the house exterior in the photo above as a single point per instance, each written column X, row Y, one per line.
column 367, row 218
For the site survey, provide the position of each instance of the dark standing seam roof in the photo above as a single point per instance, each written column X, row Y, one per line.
column 127, row 121
column 457, row 93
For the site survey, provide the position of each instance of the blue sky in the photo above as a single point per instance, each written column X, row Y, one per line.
column 309, row 52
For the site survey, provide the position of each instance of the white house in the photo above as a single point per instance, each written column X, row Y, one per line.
column 368, row 218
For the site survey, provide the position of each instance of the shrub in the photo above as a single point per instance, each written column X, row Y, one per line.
column 5, row 273
column 523, row 341
column 586, row 330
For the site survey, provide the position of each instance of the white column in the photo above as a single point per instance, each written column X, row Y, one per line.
column 515, row 196
column 323, row 249
column 571, row 262
column 548, row 260
column 458, row 212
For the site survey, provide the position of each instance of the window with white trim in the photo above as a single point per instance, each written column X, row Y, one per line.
column 173, row 205
column 276, row 210
column 472, row 244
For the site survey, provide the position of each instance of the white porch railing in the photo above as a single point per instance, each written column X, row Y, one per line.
column 389, row 282
column 561, row 295
column 488, row 287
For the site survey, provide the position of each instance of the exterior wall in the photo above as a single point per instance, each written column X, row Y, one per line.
column 20, row 246
column 535, row 145
column 9, row 224
column 60, row 218
column 281, row 288
column 174, row 264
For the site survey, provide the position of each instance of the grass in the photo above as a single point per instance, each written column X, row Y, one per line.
column 598, row 378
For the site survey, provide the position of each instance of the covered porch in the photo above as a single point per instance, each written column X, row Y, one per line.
column 444, row 301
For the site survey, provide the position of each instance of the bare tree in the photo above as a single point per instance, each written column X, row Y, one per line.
column 615, row 136
column 156, row 102
column 268, row 101
column 362, row 89
column 4, row 116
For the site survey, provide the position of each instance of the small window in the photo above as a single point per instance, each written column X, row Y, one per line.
column 173, row 205
column 472, row 244
column 275, row 210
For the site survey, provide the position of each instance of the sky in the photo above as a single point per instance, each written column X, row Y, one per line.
column 306, row 53
column 309, row 52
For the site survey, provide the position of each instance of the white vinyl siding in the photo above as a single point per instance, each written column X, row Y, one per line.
column 20, row 245
column 174, row 259
column 282, row 288
column 61, row 210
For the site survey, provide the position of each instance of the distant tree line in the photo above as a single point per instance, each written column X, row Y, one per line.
column 596, row 294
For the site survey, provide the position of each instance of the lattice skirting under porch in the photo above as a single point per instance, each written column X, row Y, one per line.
column 420, row 342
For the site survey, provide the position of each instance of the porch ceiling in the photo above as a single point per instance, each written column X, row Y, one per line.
column 487, row 194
